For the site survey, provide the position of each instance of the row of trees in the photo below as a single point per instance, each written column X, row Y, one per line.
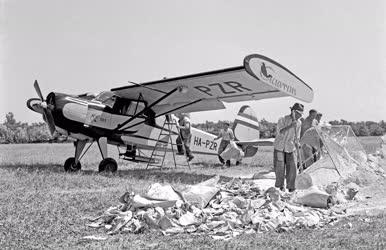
column 268, row 129
column 368, row 128
column 12, row 131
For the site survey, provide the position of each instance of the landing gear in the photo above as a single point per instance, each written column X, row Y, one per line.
column 108, row 165
column 70, row 166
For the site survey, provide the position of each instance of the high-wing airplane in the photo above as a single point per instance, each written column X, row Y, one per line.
column 129, row 114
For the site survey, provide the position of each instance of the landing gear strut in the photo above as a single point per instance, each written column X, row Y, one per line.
column 107, row 164
column 72, row 164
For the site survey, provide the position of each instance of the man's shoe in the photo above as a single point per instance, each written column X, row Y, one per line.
column 228, row 163
column 237, row 163
column 291, row 190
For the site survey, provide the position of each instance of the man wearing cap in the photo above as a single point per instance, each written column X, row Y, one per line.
column 286, row 147
column 185, row 133
column 227, row 135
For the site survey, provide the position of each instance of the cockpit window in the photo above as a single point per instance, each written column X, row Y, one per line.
column 88, row 95
column 104, row 96
column 107, row 98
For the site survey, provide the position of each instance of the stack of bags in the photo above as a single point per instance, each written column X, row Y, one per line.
column 220, row 210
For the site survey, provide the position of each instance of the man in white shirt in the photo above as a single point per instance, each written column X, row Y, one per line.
column 286, row 146
column 227, row 135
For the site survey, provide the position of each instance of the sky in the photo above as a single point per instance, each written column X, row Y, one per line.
column 75, row 46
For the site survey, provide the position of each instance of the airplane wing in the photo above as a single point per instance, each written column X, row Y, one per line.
column 259, row 78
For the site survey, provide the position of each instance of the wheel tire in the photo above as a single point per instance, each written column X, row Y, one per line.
column 108, row 165
column 69, row 165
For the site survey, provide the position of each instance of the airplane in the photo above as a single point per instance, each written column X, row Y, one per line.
column 126, row 116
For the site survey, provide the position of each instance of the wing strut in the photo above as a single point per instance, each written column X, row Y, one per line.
column 145, row 110
column 167, row 112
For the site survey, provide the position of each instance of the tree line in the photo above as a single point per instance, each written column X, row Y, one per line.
column 13, row 131
column 268, row 129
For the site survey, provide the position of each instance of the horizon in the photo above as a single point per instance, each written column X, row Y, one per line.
column 195, row 123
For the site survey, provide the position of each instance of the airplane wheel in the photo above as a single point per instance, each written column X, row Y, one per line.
column 69, row 165
column 108, row 165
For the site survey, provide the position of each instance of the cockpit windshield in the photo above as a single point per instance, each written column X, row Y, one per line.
column 107, row 98
column 87, row 96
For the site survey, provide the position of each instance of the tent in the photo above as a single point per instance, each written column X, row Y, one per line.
column 336, row 153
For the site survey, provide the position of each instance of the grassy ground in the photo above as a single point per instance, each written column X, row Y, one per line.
column 43, row 207
column 370, row 143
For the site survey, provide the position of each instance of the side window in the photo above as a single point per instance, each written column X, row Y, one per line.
column 134, row 108
column 121, row 106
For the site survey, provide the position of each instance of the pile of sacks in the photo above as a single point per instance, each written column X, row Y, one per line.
column 221, row 210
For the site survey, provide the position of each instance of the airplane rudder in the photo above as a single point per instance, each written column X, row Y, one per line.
column 246, row 126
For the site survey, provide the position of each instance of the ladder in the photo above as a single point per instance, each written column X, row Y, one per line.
column 160, row 149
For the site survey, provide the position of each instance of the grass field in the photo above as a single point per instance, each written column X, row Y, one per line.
column 41, row 206
column 370, row 143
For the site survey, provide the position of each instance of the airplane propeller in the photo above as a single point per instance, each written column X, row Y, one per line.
column 47, row 108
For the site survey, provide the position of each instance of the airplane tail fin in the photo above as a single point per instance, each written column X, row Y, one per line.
column 246, row 126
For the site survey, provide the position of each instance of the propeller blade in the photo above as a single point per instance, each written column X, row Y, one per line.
column 50, row 121
column 37, row 88
column 47, row 115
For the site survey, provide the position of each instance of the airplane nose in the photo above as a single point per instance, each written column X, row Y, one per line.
column 37, row 105
column 50, row 101
column 34, row 104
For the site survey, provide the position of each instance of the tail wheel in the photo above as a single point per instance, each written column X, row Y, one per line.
column 70, row 166
column 108, row 165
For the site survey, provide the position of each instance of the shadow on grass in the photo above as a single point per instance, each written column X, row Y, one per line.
column 156, row 175
column 207, row 164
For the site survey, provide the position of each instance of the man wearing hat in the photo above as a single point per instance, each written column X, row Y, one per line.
column 286, row 148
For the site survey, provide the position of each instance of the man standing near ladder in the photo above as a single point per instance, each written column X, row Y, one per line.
column 286, row 148
column 184, row 127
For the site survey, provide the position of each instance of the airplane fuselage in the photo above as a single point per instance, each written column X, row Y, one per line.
column 83, row 118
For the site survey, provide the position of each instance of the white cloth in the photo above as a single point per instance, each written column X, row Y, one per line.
column 232, row 151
